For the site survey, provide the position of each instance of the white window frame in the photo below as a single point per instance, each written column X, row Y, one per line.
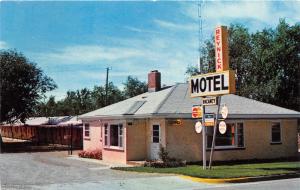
column 89, row 130
column 159, row 133
column 106, row 135
column 280, row 129
column 235, row 137
column 120, row 137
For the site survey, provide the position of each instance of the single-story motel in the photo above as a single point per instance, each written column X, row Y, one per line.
column 134, row 129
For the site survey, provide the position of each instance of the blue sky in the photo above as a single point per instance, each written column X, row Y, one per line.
column 73, row 42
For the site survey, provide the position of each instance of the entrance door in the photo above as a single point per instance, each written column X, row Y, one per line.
column 155, row 141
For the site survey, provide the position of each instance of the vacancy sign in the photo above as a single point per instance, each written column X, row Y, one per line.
column 209, row 101
column 197, row 112
column 221, row 50
column 212, row 84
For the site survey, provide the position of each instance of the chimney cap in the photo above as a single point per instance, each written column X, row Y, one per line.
column 154, row 71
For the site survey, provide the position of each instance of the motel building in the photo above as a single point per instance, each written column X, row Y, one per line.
column 134, row 129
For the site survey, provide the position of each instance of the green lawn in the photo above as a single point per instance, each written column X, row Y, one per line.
column 225, row 171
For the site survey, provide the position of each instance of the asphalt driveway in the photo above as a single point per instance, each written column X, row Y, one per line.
column 55, row 170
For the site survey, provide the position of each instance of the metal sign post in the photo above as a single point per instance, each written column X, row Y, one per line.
column 203, row 139
column 218, row 83
column 214, row 136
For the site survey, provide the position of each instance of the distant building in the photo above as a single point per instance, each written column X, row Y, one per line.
column 46, row 130
column 134, row 129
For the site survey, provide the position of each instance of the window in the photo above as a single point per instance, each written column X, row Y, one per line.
column 155, row 133
column 87, row 130
column 113, row 135
column 276, row 132
column 105, row 134
column 240, row 134
column 233, row 137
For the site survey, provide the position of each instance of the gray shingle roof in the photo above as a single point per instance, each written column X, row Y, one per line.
column 152, row 102
column 176, row 102
column 180, row 103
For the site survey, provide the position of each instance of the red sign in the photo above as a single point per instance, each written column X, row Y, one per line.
column 196, row 112
column 221, row 51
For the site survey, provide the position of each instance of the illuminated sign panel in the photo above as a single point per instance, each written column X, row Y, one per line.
column 212, row 84
column 221, row 50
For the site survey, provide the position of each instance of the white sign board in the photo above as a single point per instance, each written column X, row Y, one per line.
column 198, row 127
column 212, row 84
column 224, row 111
column 222, row 127
column 209, row 101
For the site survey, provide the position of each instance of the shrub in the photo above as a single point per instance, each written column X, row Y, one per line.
column 95, row 154
column 166, row 161
column 161, row 164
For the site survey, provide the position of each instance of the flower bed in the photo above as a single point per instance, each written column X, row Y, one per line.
column 94, row 154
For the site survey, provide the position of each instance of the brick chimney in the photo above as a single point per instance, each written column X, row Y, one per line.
column 154, row 83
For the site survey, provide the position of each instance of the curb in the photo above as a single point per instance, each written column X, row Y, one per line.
column 241, row 179
column 215, row 181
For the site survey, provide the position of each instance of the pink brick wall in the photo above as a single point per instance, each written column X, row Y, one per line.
column 94, row 141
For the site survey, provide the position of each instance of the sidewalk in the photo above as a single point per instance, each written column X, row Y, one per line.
column 101, row 162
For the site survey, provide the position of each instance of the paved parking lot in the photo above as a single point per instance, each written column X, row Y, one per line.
column 57, row 171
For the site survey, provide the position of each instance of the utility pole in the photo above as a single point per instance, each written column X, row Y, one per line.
column 200, row 37
column 106, row 85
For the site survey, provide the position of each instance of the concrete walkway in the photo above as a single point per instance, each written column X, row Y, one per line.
column 101, row 162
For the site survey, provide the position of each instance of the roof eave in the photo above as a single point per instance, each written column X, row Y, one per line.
column 188, row 116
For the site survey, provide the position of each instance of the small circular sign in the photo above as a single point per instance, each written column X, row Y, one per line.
column 222, row 127
column 198, row 127
column 224, row 111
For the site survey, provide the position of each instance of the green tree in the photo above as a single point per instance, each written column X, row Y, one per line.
column 22, row 86
column 85, row 100
column 266, row 63
column 114, row 94
column 133, row 87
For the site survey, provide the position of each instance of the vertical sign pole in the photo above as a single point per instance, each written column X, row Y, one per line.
column 203, row 138
column 71, row 139
column 214, row 135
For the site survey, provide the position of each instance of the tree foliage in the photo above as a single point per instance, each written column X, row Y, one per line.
column 133, row 87
column 267, row 63
column 22, row 85
column 85, row 100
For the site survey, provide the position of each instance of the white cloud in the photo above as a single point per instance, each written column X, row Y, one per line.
column 229, row 9
column 139, row 30
column 3, row 45
column 102, row 76
column 224, row 12
column 176, row 26
column 89, row 53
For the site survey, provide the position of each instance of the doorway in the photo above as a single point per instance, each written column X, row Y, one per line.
column 155, row 141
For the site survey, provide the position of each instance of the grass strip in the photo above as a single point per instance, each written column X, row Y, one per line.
column 225, row 171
